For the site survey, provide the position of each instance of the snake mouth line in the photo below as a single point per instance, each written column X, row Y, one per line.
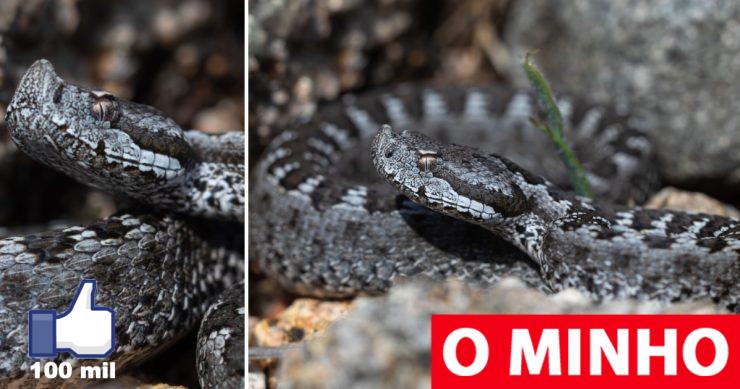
column 160, row 164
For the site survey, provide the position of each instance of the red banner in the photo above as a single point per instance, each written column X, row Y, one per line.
column 581, row 351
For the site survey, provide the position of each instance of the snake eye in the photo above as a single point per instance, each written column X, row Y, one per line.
column 104, row 106
column 427, row 160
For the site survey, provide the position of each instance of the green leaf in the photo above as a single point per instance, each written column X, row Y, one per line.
column 553, row 127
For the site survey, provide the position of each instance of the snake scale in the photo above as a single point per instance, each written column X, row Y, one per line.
column 160, row 264
column 325, row 221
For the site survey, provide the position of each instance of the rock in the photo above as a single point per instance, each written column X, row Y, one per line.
column 302, row 320
column 224, row 116
column 256, row 380
column 679, row 200
column 385, row 341
column 132, row 381
column 674, row 63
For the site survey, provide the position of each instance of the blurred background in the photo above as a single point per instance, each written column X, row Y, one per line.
column 184, row 57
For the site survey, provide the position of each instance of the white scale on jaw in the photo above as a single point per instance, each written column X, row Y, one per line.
column 463, row 204
column 449, row 197
column 152, row 161
column 162, row 165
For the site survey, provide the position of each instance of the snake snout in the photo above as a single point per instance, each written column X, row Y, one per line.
column 26, row 114
column 36, row 88
column 382, row 145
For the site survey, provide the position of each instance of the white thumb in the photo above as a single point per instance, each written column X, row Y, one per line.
column 85, row 296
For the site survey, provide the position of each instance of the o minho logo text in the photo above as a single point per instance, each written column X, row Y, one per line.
column 584, row 350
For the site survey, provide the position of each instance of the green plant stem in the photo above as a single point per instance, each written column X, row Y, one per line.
column 553, row 128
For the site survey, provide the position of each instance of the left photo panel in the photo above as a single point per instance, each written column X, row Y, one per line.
column 122, row 193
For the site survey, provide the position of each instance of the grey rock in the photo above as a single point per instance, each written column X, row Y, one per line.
column 672, row 62
column 385, row 341
column 256, row 380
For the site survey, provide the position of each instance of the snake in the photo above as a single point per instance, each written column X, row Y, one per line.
column 161, row 263
column 407, row 181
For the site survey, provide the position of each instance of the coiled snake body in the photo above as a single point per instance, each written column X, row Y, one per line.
column 323, row 223
column 160, row 271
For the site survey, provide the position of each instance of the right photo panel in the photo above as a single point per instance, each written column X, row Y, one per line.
column 493, row 193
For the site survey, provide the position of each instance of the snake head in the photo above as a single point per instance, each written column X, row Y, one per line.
column 115, row 145
column 455, row 180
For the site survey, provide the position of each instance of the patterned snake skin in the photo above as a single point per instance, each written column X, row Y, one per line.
column 159, row 271
column 323, row 222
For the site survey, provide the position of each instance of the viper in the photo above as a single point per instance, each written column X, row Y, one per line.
column 356, row 198
column 160, row 264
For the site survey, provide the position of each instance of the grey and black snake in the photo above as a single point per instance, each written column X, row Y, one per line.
column 324, row 220
column 161, row 264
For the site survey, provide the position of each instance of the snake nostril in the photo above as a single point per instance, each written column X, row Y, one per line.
column 389, row 153
column 58, row 94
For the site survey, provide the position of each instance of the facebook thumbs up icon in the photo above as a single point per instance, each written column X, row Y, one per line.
column 84, row 330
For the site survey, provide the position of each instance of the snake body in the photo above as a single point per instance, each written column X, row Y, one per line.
column 161, row 264
column 324, row 224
